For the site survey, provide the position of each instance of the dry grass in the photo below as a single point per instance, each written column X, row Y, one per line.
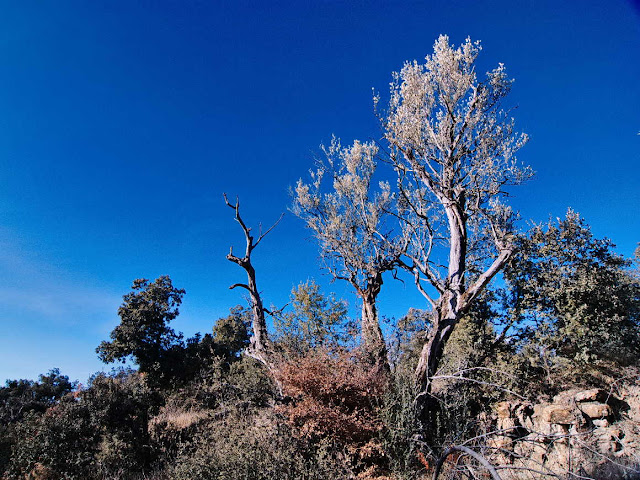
column 175, row 418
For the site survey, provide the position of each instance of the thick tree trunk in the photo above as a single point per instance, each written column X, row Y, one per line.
column 372, row 339
column 449, row 308
column 445, row 320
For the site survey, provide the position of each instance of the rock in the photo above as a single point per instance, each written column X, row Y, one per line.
column 524, row 413
column 601, row 423
column 592, row 395
column 585, row 426
column 558, row 414
column 507, row 424
column 503, row 409
column 595, row 410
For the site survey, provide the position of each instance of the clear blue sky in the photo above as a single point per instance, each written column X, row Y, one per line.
column 123, row 122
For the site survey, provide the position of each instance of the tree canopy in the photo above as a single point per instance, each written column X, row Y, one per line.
column 573, row 295
column 144, row 333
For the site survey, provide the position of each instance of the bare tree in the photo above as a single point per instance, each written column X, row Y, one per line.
column 351, row 225
column 453, row 148
column 260, row 347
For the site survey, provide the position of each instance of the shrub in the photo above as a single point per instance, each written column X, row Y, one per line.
column 94, row 433
column 62, row 442
column 255, row 446
column 334, row 398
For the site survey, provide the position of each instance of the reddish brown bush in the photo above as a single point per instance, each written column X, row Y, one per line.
column 334, row 396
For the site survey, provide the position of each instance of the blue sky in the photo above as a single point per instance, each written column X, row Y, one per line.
column 122, row 123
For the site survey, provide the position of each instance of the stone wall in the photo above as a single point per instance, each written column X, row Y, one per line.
column 590, row 433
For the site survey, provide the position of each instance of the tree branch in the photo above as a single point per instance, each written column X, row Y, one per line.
column 473, row 291
column 241, row 285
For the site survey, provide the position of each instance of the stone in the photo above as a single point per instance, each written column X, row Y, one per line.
column 595, row 409
column 601, row 423
column 507, row 424
column 558, row 414
column 592, row 395
column 503, row 409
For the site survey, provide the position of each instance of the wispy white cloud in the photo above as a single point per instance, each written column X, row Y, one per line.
column 31, row 286
column 68, row 304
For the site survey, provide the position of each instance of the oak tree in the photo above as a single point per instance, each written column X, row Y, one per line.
column 573, row 297
column 143, row 332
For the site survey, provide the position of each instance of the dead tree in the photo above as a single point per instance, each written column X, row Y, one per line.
column 260, row 346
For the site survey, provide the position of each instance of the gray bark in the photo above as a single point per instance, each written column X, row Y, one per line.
column 372, row 339
column 260, row 347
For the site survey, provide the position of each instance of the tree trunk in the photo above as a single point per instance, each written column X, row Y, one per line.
column 259, row 339
column 372, row 339
column 445, row 320
column 449, row 308
column 260, row 345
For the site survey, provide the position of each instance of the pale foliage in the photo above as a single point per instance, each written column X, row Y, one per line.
column 454, row 150
column 349, row 219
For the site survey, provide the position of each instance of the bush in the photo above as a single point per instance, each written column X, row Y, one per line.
column 334, row 398
column 216, row 392
column 62, row 443
column 255, row 446
column 18, row 397
column 400, row 419
column 94, row 433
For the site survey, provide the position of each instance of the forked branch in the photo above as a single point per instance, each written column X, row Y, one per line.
column 260, row 344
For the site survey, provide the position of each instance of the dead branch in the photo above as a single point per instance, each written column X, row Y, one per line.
column 466, row 450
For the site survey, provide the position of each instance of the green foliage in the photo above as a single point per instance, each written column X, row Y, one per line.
column 98, row 432
column 473, row 340
column 120, row 407
column 157, row 349
column 26, row 398
column 19, row 397
column 574, row 297
column 407, row 338
column 143, row 332
column 188, row 412
column 251, row 383
column 231, row 333
column 196, row 358
column 242, row 382
column 317, row 320
column 399, row 415
column 197, row 408
column 62, row 443
column 255, row 446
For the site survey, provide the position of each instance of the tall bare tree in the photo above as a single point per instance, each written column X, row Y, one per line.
column 350, row 222
column 260, row 346
column 453, row 148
